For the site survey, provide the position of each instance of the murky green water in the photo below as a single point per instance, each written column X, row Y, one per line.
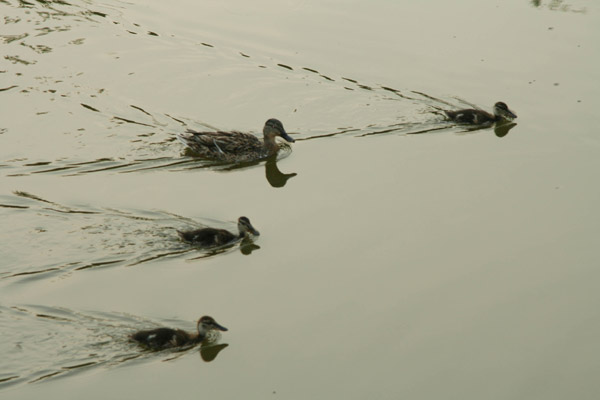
column 400, row 256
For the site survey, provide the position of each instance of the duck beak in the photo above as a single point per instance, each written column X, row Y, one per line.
column 287, row 137
column 220, row 327
column 511, row 114
column 252, row 230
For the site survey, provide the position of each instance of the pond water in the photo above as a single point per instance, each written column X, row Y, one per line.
column 400, row 255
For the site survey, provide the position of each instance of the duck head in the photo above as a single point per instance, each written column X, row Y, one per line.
column 274, row 127
column 502, row 110
column 245, row 226
column 206, row 324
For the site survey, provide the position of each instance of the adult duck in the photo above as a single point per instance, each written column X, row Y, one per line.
column 162, row 338
column 236, row 146
column 209, row 237
column 474, row 116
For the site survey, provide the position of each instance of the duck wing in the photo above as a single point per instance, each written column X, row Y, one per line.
column 207, row 236
column 470, row 116
column 220, row 144
column 162, row 338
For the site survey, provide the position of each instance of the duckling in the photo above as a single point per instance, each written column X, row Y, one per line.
column 472, row 116
column 218, row 237
column 162, row 338
column 235, row 146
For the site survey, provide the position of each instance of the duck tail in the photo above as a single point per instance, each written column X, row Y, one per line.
column 185, row 140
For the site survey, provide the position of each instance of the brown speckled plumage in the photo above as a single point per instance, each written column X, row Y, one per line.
column 235, row 146
column 162, row 338
column 217, row 237
column 473, row 116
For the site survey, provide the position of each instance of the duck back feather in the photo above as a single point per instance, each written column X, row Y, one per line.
column 222, row 145
column 207, row 236
column 162, row 338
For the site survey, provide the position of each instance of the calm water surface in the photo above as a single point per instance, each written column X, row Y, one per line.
column 400, row 256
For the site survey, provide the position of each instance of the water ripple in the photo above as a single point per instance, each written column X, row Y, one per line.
column 42, row 342
column 64, row 239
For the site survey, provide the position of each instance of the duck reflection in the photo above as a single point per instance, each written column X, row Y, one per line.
column 501, row 129
column 248, row 246
column 275, row 177
column 208, row 352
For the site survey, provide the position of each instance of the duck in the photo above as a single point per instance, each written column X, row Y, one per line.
column 163, row 338
column 209, row 237
column 473, row 116
column 235, row 146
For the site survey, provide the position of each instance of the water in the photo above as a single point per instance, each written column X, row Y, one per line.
column 400, row 255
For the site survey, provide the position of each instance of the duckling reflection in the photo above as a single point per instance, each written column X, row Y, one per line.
column 247, row 247
column 235, row 146
column 473, row 116
column 209, row 352
column 163, row 338
column 209, row 237
column 502, row 128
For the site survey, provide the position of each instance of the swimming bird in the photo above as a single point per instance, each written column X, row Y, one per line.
column 473, row 116
column 162, row 338
column 217, row 237
column 235, row 146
